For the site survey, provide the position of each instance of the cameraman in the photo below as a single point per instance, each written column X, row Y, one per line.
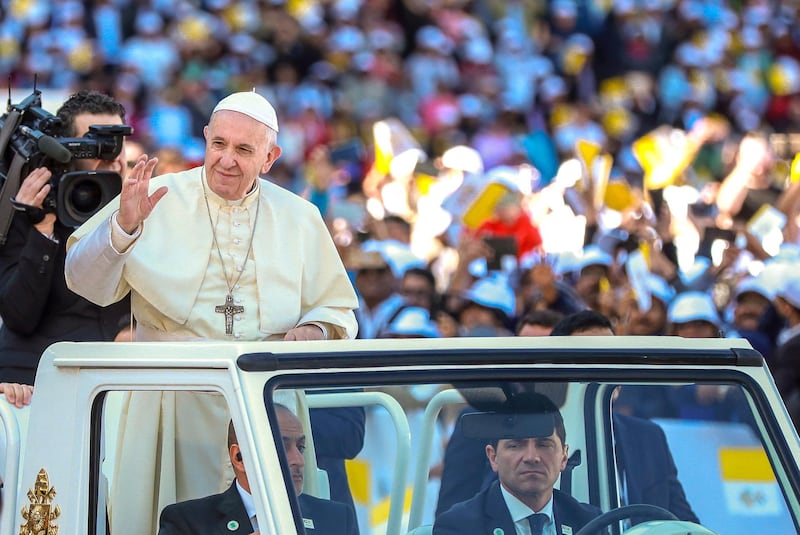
column 36, row 307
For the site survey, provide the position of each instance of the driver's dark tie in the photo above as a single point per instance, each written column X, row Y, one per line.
column 537, row 522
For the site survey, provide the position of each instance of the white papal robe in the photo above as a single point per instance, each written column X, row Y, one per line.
column 172, row 446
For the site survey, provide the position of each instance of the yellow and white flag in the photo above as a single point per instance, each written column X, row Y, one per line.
column 748, row 482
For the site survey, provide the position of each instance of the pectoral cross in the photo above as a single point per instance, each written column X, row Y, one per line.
column 229, row 309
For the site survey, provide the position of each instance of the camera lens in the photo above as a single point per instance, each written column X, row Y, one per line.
column 86, row 196
column 82, row 193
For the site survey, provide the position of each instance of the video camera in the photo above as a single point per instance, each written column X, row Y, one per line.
column 29, row 138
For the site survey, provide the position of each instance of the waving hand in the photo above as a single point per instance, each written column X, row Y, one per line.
column 135, row 202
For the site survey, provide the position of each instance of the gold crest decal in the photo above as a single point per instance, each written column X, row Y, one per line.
column 40, row 514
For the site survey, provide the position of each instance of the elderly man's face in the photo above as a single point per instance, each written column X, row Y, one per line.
column 237, row 152
column 81, row 125
column 528, row 467
column 294, row 442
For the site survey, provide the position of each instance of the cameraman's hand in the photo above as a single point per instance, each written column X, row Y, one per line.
column 17, row 394
column 33, row 191
column 135, row 202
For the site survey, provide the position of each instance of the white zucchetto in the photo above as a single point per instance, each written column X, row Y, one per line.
column 251, row 104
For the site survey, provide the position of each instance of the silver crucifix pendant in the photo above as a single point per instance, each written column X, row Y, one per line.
column 229, row 309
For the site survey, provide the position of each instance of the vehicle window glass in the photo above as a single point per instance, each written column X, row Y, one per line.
column 154, row 449
column 401, row 455
column 715, row 439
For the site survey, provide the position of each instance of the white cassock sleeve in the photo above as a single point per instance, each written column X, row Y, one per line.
column 93, row 268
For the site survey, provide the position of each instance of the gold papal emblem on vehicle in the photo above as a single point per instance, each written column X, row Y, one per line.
column 40, row 515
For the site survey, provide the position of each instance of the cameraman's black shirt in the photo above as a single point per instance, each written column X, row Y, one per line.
column 36, row 306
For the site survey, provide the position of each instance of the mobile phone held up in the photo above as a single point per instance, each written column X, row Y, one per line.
column 502, row 246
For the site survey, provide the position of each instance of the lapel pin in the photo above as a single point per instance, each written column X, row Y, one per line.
column 498, row 531
column 233, row 525
column 566, row 530
column 308, row 523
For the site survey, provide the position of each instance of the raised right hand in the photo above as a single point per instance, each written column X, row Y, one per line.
column 135, row 202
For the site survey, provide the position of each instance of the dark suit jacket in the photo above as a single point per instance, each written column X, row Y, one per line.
column 210, row 515
column 338, row 435
column 329, row 518
column 213, row 515
column 651, row 476
column 487, row 511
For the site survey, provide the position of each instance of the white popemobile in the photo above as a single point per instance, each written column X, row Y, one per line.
column 739, row 475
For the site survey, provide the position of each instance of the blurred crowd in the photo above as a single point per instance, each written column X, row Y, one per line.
column 489, row 164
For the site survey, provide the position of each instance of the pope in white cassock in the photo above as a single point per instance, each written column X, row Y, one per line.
column 212, row 253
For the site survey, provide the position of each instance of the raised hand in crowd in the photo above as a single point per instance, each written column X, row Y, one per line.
column 469, row 249
column 538, row 287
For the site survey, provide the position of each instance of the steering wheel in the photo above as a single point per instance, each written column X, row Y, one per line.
column 652, row 512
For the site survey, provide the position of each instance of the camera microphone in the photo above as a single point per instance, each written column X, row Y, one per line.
column 54, row 149
column 48, row 145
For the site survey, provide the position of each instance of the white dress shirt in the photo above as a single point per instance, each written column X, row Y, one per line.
column 520, row 513
column 249, row 505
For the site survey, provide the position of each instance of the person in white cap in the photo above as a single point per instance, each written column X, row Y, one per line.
column 211, row 253
column 594, row 273
column 411, row 322
column 751, row 314
column 653, row 321
column 489, row 307
column 694, row 315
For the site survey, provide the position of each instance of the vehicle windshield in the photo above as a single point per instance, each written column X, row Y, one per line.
column 466, row 438
column 403, row 453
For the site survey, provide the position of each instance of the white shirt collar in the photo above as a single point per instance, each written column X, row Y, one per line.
column 247, row 500
column 519, row 511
